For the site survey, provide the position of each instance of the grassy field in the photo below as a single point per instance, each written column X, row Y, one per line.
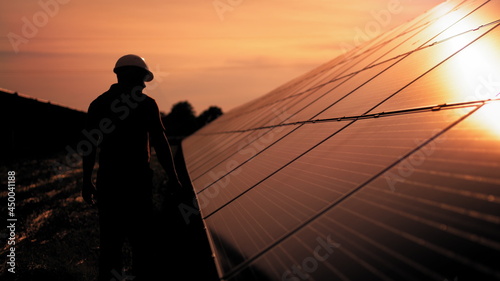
column 57, row 233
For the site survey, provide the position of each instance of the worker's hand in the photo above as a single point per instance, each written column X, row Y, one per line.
column 89, row 193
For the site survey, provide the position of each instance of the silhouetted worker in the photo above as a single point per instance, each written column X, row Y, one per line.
column 123, row 123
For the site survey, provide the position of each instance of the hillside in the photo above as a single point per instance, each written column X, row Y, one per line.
column 57, row 235
column 34, row 128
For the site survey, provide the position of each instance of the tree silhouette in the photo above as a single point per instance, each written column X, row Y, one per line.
column 208, row 116
column 182, row 122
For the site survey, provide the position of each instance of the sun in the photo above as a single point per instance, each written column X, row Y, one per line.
column 488, row 119
column 473, row 73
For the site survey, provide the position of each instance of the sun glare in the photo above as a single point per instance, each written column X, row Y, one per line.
column 474, row 73
column 489, row 118
column 475, row 76
column 446, row 15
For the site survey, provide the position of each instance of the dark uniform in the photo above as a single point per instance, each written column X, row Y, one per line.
column 124, row 123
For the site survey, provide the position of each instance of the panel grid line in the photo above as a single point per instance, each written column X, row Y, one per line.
column 425, row 45
column 318, row 160
column 239, row 267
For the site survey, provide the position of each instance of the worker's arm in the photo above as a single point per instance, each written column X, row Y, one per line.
column 88, row 188
column 160, row 143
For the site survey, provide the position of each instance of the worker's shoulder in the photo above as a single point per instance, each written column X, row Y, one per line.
column 146, row 102
column 149, row 101
column 97, row 101
column 96, row 105
column 114, row 98
column 104, row 98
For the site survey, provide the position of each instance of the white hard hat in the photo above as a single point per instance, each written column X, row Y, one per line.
column 134, row 60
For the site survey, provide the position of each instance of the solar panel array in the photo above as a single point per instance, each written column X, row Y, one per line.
column 382, row 164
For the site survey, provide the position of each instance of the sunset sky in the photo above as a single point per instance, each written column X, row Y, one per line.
column 222, row 52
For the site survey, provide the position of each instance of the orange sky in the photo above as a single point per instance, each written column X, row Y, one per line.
column 222, row 52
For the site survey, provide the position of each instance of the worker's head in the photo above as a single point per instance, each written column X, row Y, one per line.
column 132, row 70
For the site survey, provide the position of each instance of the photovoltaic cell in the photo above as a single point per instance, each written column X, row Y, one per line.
column 452, row 81
column 321, row 176
column 341, row 90
column 432, row 216
column 382, row 164
column 397, row 77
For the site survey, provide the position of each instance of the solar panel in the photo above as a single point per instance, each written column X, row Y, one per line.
column 382, row 164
